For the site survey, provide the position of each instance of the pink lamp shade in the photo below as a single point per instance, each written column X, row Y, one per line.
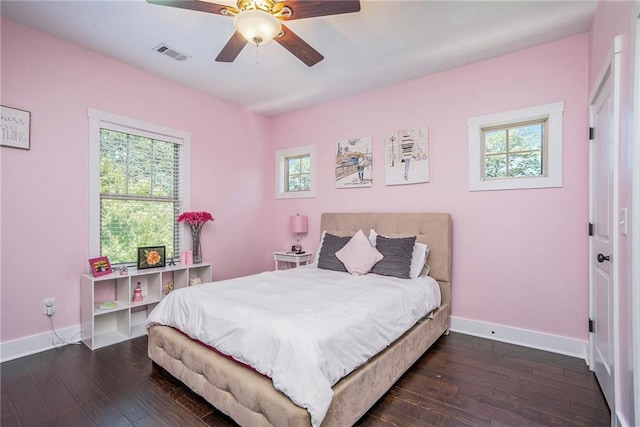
column 298, row 224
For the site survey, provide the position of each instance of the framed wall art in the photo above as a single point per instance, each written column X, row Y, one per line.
column 354, row 163
column 406, row 156
column 100, row 266
column 15, row 126
column 151, row 257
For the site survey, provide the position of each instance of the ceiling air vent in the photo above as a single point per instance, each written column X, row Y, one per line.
column 172, row 53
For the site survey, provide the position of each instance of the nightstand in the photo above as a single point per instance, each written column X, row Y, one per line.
column 291, row 258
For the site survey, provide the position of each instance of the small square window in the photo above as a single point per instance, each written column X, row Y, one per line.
column 298, row 173
column 516, row 149
column 295, row 170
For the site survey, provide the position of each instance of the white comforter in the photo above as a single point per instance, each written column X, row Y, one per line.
column 305, row 328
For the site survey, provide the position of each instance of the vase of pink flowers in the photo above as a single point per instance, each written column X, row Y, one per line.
column 195, row 221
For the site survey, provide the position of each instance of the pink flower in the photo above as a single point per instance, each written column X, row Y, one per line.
column 195, row 218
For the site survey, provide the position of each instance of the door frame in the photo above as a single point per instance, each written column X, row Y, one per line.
column 635, row 220
column 609, row 70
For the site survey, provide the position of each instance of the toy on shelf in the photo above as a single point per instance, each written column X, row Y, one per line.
column 137, row 294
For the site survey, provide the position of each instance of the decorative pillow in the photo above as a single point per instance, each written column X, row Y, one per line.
column 418, row 257
column 358, row 256
column 397, row 255
column 327, row 257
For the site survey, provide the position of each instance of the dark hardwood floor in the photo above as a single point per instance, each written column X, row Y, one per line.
column 461, row 381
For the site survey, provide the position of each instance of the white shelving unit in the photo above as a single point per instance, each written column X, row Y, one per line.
column 101, row 328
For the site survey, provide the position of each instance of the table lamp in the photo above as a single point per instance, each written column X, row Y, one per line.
column 298, row 224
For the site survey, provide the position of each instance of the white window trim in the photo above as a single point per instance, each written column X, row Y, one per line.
column 551, row 112
column 281, row 155
column 100, row 119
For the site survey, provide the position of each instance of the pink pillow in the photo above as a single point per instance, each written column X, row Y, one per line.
column 358, row 256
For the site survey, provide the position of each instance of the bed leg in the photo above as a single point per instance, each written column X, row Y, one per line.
column 446, row 331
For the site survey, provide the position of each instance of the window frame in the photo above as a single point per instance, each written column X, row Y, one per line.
column 551, row 155
column 281, row 172
column 544, row 147
column 287, row 171
column 100, row 119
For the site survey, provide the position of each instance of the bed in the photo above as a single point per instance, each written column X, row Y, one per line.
column 251, row 399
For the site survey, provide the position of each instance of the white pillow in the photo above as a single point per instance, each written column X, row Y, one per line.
column 358, row 256
column 418, row 256
column 419, row 260
column 317, row 254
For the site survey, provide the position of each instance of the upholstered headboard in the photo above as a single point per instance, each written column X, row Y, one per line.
column 433, row 229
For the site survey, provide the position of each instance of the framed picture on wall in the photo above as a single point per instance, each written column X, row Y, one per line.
column 151, row 257
column 15, row 125
column 354, row 162
column 406, row 156
column 100, row 266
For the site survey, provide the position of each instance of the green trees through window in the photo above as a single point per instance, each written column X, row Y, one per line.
column 514, row 151
column 139, row 195
column 298, row 173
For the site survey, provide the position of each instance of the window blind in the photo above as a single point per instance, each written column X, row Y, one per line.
column 140, row 193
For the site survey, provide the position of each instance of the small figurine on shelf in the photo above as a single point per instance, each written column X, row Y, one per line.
column 137, row 294
column 169, row 287
column 172, row 262
column 123, row 270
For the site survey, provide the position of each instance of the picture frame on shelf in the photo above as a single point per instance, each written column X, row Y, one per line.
column 151, row 257
column 16, row 127
column 100, row 266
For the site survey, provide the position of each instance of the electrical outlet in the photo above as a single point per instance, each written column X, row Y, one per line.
column 49, row 306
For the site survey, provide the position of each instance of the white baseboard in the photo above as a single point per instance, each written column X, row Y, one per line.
column 21, row 347
column 540, row 340
column 557, row 344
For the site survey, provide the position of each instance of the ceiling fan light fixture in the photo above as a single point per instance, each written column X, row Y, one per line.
column 257, row 26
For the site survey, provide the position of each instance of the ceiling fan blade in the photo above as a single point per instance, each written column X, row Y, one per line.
column 200, row 6
column 232, row 49
column 298, row 47
column 309, row 9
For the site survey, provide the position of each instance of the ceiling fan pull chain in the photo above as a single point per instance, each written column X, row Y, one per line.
column 257, row 53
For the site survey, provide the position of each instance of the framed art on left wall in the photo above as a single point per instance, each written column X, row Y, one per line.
column 16, row 127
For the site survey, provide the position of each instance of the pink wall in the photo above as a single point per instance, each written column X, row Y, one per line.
column 612, row 19
column 45, row 191
column 520, row 256
column 522, row 251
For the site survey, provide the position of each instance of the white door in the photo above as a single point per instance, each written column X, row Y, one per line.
column 602, row 210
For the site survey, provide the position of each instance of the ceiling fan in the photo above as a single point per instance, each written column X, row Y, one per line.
column 259, row 21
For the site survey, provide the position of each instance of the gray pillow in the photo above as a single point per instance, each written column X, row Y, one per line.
column 327, row 258
column 397, row 256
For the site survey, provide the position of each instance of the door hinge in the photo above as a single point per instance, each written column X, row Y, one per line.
column 592, row 133
column 590, row 229
column 591, row 326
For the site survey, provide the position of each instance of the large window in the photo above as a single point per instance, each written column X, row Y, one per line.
column 138, row 187
column 516, row 149
column 295, row 172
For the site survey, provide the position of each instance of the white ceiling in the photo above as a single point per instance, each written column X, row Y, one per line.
column 386, row 42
